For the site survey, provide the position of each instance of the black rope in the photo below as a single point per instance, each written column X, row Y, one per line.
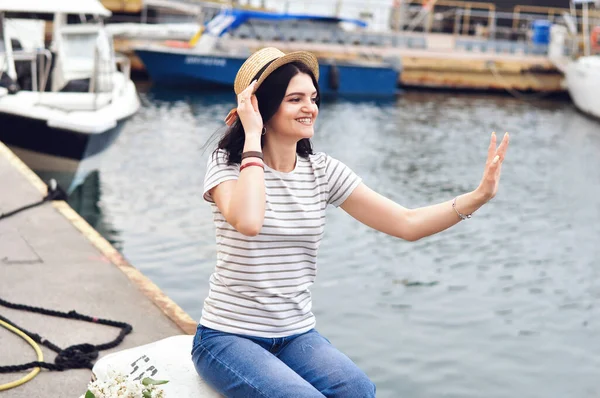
column 55, row 192
column 79, row 356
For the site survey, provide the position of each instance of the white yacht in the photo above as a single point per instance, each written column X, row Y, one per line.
column 63, row 102
column 582, row 72
column 583, row 82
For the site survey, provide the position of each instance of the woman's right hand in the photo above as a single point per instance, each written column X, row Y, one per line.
column 248, row 112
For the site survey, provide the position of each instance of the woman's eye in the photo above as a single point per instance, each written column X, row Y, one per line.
column 295, row 99
column 314, row 99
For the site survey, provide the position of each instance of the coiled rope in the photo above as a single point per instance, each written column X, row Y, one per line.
column 38, row 351
column 79, row 356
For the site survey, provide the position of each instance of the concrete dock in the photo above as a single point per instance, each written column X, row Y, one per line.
column 51, row 258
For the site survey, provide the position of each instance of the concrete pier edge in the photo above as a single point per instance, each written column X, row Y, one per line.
column 145, row 285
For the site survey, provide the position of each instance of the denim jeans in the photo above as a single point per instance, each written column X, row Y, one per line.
column 302, row 365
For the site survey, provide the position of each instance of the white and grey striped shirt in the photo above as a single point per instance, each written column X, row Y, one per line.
column 260, row 286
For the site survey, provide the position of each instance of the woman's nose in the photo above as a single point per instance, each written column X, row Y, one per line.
column 310, row 107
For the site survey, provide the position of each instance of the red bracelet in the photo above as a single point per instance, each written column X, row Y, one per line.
column 259, row 164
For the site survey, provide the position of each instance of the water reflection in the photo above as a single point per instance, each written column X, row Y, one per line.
column 86, row 200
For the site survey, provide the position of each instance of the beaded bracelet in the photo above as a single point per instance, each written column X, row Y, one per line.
column 259, row 164
column 459, row 214
column 252, row 154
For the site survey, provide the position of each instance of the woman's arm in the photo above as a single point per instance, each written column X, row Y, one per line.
column 242, row 202
column 382, row 214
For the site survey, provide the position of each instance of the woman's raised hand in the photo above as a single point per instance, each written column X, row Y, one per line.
column 247, row 111
column 493, row 166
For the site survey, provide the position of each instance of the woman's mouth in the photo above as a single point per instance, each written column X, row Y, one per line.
column 307, row 121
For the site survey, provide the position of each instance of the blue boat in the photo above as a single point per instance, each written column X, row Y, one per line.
column 208, row 64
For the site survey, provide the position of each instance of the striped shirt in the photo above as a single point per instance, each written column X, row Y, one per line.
column 260, row 286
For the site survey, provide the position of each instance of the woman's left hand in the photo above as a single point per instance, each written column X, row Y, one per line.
column 493, row 166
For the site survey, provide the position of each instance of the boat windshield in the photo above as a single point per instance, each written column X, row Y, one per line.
column 84, row 52
column 79, row 48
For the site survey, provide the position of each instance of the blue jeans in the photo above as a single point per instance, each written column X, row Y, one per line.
column 302, row 365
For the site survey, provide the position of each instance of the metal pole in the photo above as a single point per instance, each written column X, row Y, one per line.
column 492, row 25
column 457, row 18
column 402, row 13
column 34, row 73
column 338, row 8
column 10, row 62
column 586, row 31
column 145, row 14
column 466, row 20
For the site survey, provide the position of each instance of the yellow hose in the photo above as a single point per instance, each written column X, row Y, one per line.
column 37, row 349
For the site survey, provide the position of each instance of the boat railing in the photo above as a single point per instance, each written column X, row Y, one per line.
column 461, row 18
column 318, row 34
column 426, row 12
column 551, row 13
column 40, row 72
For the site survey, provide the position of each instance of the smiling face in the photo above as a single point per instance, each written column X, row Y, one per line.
column 298, row 111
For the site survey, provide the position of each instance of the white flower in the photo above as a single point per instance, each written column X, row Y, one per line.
column 118, row 385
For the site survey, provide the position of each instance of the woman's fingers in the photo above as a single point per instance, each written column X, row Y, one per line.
column 248, row 110
column 243, row 99
column 500, row 153
column 497, row 154
column 245, row 96
column 491, row 149
column 503, row 146
column 254, row 102
column 498, row 171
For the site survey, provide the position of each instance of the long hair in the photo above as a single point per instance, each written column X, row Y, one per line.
column 270, row 94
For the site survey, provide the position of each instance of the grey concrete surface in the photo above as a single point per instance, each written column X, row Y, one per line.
column 46, row 262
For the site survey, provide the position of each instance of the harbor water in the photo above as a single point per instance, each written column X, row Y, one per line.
column 506, row 304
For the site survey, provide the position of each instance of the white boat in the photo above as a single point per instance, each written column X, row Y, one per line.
column 582, row 74
column 66, row 102
column 210, row 61
column 583, row 82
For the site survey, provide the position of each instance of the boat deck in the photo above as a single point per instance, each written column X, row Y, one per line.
column 51, row 258
column 448, row 61
column 432, row 60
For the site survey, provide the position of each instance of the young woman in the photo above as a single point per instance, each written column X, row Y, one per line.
column 269, row 191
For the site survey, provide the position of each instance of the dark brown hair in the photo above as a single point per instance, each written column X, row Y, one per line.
column 270, row 94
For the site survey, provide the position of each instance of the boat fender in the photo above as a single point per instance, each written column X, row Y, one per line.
column 167, row 359
column 177, row 44
column 7, row 82
column 334, row 77
column 12, row 88
column 395, row 62
column 595, row 38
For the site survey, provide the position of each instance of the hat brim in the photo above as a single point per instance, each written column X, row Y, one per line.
column 304, row 57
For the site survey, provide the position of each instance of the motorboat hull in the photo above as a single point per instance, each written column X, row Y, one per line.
column 583, row 82
column 184, row 69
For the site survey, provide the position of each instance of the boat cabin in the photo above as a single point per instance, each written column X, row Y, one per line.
column 76, row 58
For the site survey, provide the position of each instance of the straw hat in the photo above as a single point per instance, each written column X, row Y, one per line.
column 276, row 58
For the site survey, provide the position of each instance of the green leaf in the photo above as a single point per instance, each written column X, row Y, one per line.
column 150, row 381
column 147, row 394
column 89, row 394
